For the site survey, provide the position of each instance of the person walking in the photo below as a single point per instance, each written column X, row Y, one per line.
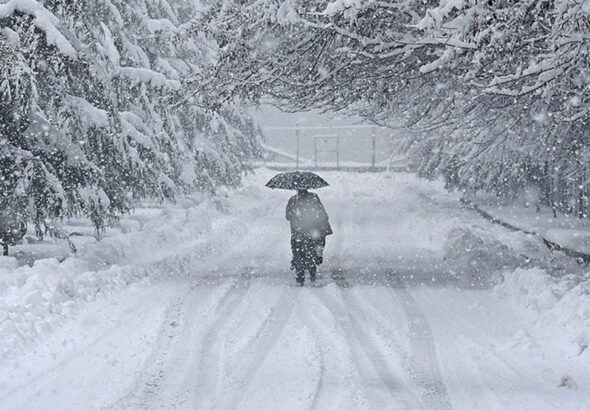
column 309, row 227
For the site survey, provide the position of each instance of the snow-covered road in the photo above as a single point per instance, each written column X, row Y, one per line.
column 392, row 322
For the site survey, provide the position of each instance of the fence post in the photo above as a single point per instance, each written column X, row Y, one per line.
column 338, row 154
column 297, row 138
column 374, row 148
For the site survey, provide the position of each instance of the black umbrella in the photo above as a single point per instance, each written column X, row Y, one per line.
column 296, row 180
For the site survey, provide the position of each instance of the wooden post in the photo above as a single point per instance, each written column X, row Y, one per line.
column 297, row 137
column 373, row 150
column 338, row 153
column 315, row 154
column 5, row 247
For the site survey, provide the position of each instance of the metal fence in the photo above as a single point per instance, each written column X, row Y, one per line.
column 359, row 147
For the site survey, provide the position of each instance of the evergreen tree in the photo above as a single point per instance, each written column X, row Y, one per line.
column 90, row 118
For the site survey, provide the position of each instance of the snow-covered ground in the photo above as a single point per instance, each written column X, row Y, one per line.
column 568, row 231
column 420, row 304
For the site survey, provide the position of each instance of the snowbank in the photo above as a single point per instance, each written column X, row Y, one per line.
column 35, row 299
column 567, row 231
column 558, row 308
column 471, row 255
column 550, row 288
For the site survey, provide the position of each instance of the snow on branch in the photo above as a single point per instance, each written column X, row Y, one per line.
column 135, row 128
column 87, row 113
column 145, row 75
column 109, row 48
column 44, row 20
column 434, row 17
column 160, row 25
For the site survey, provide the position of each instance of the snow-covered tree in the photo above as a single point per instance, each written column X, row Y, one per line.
column 494, row 90
column 96, row 109
column 42, row 166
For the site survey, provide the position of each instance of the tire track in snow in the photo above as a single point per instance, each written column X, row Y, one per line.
column 81, row 352
column 209, row 372
column 112, row 329
column 359, row 337
column 361, row 341
column 267, row 337
column 146, row 387
column 320, row 385
column 335, row 352
column 425, row 369
column 186, row 353
column 174, row 356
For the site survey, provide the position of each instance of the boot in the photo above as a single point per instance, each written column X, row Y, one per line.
column 312, row 273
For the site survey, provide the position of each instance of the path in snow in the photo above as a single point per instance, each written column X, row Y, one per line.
column 385, row 326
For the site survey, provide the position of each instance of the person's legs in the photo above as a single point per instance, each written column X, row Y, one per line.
column 310, row 258
column 309, row 252
column 312, row 274
column 320, row 244
column 305, row 257
column 298, row 261
column 300, row 279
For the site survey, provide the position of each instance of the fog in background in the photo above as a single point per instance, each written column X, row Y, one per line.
column 355, row 143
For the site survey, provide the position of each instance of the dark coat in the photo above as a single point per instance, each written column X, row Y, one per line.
column 308, row 216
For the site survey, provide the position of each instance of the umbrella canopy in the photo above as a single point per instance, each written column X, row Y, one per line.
column 296, row 180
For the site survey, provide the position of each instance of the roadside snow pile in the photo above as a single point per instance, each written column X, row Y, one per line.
column 177, row 225
column 559, row 307
column 34, row 299
column 556, row 309
column 477, row 257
